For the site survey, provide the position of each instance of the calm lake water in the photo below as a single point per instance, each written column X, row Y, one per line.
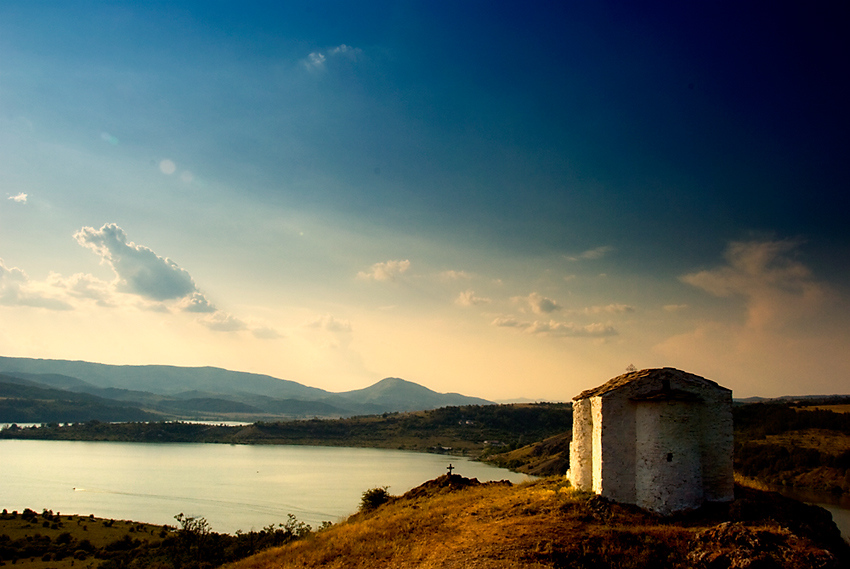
column 232, row 486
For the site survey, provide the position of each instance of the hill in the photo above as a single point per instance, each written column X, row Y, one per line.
column 466, row 430
column 454, row 522
column 208, row 393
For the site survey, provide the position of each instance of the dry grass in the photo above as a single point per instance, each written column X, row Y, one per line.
column 822, row 440
column 834, row 408
column 538, row 524
column 746, row 482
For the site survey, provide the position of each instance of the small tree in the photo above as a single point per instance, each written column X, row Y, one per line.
column 373, row 498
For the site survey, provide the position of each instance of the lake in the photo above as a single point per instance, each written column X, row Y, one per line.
column 233, row 486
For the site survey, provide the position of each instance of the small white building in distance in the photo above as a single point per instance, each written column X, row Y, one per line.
column 658, row 438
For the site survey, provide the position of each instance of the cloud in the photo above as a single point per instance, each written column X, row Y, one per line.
column 454, row 275
column 609, row 309
column 221, row 321
column 16, row 289
column 266, row 333
column 560, row 329
column 330, row 324
column 386, row 271
column 793, row 329
column 20, row 198
column 468, row 298
column 138, row 269
column 540, row 304
column 674, row 307
column 591, row 254
column 317, row 60
column 778, row 289
column 197, row 302
column 84, row 286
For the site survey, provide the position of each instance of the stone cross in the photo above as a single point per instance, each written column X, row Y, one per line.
column 450, row 468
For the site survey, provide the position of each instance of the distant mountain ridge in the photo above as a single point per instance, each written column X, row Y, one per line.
column 215, row 393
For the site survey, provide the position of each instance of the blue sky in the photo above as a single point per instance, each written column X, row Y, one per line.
column 484, row 197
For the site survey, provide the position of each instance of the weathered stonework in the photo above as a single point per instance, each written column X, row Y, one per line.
column 658, row 438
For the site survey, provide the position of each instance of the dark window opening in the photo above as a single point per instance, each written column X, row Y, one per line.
column 669, row 457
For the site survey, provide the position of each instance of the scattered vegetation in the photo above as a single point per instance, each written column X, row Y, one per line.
column 457, row 430
column 787, row 444
column 59, row 541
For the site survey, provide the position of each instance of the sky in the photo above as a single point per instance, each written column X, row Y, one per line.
column 501, row 199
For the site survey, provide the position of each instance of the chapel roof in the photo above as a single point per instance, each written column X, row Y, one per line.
column 664, row 373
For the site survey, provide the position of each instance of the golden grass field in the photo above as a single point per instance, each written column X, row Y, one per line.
column 539, row 524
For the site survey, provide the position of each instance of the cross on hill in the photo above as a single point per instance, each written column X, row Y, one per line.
column 450, row 468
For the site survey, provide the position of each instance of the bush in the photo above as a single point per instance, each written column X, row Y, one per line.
column 373, row 498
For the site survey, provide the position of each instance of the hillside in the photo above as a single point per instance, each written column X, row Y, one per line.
column 454, row 522
column 461, row 430
column 203, row 393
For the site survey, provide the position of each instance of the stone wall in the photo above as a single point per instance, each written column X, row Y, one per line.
column 662, row 440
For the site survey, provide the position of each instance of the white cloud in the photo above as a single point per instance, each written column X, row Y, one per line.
column 266, row 333
column 197, row 302
column 138, row 269
column 318, row 60
column 221, row 321
column 84, row 286
column 609, row 309
column 591, row 254
column 468, row 298
column 330, row 324
column 540, row 304
column 454, row 275
column 20, row 198
column 386, row 271
column 16, row 289
column 554, row 328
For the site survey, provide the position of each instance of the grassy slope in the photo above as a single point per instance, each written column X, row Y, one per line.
column 544, row 524
column 99, row 532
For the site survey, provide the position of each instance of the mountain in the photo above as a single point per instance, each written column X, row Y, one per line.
column 23, row 401
column 404, row 395
column 218, row 394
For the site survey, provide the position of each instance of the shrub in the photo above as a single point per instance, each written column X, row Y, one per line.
column 373, row 498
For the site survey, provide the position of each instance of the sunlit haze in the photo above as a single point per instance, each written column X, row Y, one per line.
column 502, row 199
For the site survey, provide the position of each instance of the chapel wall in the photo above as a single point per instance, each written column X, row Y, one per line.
column 581, row 447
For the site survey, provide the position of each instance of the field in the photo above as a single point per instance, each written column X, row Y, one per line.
column 58, row 541
column 452, row 522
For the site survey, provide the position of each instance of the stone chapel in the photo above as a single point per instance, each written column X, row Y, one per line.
column 658, row 438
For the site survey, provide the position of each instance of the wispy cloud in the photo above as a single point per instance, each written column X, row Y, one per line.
column 469, row 298
column 777, row 287
column 554, row 328
column 674, row 307
column 318, row 60
column 591, row 254
column 452, row 275
column 386, row 271
column 221, row 321
column 609, row 309
column 16, row 289
column 19, row 198
column 330, row 324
